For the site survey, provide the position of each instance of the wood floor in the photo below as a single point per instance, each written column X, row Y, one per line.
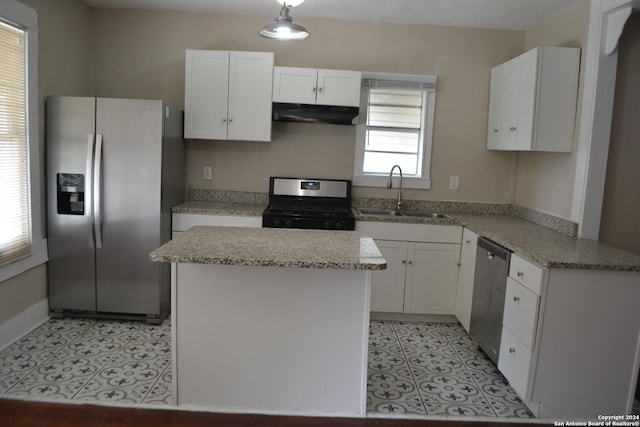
column 16, row 413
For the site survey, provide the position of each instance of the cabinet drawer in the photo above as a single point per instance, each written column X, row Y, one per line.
column 528, row 274
column 521, row 312
column 515, row 362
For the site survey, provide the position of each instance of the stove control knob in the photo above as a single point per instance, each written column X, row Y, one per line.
column 289, row 223
column 276, row 222
column 338, row 225
column 327, row 225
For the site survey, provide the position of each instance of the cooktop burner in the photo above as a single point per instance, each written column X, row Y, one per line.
column 309, row 203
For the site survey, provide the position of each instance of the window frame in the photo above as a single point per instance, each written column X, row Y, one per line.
column 428, row 83
column 18, row 14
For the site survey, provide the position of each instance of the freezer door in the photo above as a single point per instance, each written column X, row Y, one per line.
column 128, row 211
column 71, row 269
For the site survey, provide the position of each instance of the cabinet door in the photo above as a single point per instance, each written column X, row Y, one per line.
column 206, row 94
column 464, row 293
column 387, row 286
column 295, row 85
column 503, row 106
column 250, row 88
column 509, row 96
column 338, row 87
column 493, row 127
column 432, row 278
column 526, row 104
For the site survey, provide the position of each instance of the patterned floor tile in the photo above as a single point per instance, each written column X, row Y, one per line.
column 414, row 368
column 90, row 360
column 450, row 373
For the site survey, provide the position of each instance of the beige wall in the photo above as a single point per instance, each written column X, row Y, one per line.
column 620, row 226
column 141, row 54
column 545, row 180
column 63, row 68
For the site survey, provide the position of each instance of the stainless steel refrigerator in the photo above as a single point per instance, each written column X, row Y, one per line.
column 114, row 169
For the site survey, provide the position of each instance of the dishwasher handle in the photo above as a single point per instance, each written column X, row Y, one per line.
column 494, row 249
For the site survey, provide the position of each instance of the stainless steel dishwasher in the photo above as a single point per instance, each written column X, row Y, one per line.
column 489, row 285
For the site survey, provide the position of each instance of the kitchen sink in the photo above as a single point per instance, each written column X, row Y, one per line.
column 377, row 211
column 427, row 215
column 389, row 212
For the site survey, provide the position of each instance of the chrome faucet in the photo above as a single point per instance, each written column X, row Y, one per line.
column 390, row 185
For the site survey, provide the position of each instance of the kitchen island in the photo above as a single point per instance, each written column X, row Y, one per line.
column 271, row 320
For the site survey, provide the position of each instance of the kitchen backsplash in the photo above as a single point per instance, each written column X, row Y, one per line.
column 555, row 223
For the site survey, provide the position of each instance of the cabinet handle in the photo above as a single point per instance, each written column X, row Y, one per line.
column 495, row 131
column 320, row 90
column 512, row 350
column 410, row 262
column 230, row 120
column 404, row 261
column 520, row 274
column 516, row 299
column 468, row 241
column 224, row 120
column 512, row 128
column 458, row 263
column 313, row 89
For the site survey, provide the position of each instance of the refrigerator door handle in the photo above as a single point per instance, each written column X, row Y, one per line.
column 89, row 188
column 97, row 171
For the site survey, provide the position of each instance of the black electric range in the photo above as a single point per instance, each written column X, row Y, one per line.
column 309, row 203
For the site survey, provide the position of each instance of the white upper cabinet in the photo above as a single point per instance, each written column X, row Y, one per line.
column 228, row 95
column 312, row 86
column 532, row 102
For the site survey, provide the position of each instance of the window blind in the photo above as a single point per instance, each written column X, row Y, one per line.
column 15, row 232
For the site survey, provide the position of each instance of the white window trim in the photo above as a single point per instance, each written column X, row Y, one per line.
column 22, row 15
column 369, row 180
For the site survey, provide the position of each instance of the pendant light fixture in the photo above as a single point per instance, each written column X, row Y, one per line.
column 283, row 28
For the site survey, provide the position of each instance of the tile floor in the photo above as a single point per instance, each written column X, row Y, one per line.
column 90, row 360
column 434, row 369
column 415, row 369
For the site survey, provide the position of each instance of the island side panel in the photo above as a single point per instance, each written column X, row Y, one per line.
column 589, row 344
column 272, row 340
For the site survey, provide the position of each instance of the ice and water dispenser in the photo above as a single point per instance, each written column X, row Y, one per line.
column 70, row 193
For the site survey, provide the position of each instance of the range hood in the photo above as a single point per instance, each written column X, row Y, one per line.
column 306, row 113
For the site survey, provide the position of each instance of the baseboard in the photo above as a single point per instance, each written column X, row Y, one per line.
column 409, row 317
column 23, row 323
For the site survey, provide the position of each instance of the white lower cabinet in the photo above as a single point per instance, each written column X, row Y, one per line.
column 570, row 339
column 387, row 286
column 515, row 360
column 464, row 294
column 432, row 275
column 420, row 278
column 422, row 267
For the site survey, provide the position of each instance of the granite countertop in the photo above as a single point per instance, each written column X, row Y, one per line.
column 220, row 208
column 271, row 247
column 548, row 248
column 531, row 241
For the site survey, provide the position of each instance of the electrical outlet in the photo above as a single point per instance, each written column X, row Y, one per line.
column 453, row 182
column 207, row 173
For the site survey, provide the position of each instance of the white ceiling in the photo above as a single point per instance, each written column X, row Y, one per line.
column 500, row 14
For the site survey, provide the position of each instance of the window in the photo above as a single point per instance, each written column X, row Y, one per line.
column 21, row 244
column 15, row 231
column 396, row 126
